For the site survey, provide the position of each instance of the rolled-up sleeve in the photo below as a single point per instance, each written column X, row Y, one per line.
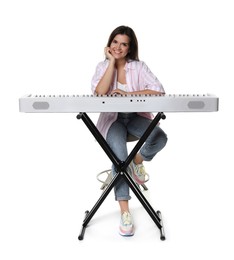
column 99, row 72
column 150, row 81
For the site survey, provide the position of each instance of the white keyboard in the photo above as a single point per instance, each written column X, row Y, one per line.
column 118, row 103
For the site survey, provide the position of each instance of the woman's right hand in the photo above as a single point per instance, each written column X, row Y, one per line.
column 108, row 54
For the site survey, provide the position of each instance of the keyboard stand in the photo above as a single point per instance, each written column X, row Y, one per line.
column 121, row 168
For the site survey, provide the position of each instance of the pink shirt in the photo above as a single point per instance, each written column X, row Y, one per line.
column 138, row 77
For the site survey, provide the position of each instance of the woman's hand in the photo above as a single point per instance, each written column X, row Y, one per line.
column 108, row 54
column 119, row 92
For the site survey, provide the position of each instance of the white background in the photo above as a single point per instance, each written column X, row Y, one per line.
column 49, row 162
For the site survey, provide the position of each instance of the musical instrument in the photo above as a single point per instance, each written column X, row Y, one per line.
column 118, row 103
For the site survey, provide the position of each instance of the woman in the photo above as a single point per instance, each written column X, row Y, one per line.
column 123, row 73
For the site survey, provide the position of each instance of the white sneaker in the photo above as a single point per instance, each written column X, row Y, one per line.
column 126, row 227
column 138, row 173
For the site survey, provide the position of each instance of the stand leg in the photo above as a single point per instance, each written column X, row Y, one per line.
column 90, row 214
column 162, row 233
column 82, row 232
column 102, row 142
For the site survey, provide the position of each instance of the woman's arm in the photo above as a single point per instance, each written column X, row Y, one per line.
column 140, row 92
column 103, row 86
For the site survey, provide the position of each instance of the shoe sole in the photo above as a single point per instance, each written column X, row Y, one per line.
column 126, row 234
column 138, row 180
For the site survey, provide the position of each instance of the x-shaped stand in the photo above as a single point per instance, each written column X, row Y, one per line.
column 121, row 169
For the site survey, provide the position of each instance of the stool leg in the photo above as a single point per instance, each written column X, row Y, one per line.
column 144, row 186
column 106, row 182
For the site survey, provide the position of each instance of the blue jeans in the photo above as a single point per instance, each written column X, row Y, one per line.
column 132, row 123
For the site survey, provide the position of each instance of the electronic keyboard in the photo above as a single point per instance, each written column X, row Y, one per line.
column 118, row 103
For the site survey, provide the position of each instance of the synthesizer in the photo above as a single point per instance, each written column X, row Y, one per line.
column 118, row 103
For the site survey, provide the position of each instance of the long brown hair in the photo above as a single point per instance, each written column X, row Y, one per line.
column 133, row 43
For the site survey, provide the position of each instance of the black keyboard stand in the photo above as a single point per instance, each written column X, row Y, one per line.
column 121, row 168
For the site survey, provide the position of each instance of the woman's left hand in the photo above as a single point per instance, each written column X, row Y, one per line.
column 118, row 91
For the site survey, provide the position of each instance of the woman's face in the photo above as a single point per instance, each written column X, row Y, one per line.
column 119, row 47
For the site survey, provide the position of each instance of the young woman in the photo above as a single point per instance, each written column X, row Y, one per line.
column 123, row 73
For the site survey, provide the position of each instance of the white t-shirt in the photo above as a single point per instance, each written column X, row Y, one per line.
column 123, row 87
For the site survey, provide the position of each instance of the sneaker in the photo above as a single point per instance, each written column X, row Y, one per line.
column 126, row 225
column 138, row 173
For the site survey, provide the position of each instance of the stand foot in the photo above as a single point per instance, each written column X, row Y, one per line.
column 162, row 232
column 83, row 228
